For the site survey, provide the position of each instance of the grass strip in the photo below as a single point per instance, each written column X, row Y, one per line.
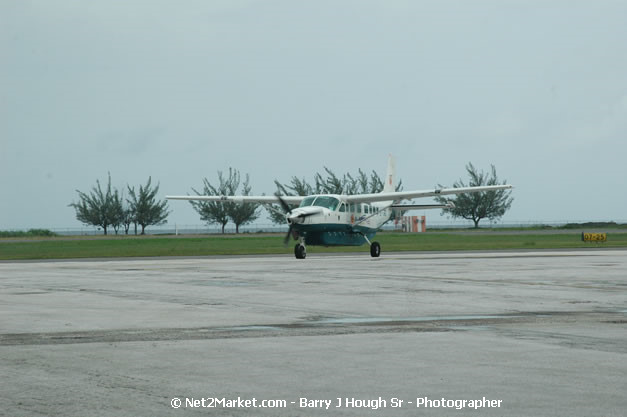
column 252, row 245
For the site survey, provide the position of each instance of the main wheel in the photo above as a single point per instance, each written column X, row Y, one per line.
column 375, row 249
column 299, row 251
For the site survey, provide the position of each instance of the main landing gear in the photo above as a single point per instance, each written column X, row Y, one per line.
column 375, row 249
column 300, row 251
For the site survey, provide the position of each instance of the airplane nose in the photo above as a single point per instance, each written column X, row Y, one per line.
column 294, row 219
column 298, row 216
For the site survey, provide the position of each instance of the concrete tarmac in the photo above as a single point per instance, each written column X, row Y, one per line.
column 513, row 333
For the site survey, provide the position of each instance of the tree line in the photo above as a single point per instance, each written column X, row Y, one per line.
column 108, row 208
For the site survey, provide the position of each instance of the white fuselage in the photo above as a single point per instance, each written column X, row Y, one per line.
column 334, row 210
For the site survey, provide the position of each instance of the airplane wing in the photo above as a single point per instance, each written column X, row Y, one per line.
column 240, row 199
column 407, row 207
column 406, row 195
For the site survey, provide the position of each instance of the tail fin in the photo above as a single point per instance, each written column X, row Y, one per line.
column 389, row 186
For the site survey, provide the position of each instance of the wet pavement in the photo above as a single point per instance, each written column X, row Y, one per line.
column 543, row 332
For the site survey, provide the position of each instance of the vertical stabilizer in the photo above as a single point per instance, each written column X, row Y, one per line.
column 389, row 186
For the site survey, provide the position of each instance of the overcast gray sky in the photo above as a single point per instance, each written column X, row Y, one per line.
column 178, row 90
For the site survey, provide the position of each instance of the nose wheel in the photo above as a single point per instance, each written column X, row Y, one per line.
column 300, row 251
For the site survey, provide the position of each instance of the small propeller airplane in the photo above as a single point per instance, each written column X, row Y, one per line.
column 343, row 220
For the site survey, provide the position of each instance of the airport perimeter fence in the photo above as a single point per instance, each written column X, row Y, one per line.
column 203, row 229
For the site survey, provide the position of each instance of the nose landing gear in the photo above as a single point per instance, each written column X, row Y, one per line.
column 300, row 251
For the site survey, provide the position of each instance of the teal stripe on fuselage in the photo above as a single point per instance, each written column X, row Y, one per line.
column 335, row 234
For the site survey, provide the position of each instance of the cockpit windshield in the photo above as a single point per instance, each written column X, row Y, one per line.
column 321, row 201
column 308, row 201
column 326, row 201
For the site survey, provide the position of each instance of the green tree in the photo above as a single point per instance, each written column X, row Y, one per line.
column 146, row 209
column 476, row 206
column 331, row 184
column 98, row 208
column 117, row 211
column 211, row 211
column 128, row 218
column 349, row 184
column 243, row 213
column 127, row 214
column 214, row 211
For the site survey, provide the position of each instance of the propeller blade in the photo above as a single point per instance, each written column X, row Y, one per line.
column 283, row 204
column 287, row 236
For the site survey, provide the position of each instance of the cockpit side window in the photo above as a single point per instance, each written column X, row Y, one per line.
column 342, row 208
